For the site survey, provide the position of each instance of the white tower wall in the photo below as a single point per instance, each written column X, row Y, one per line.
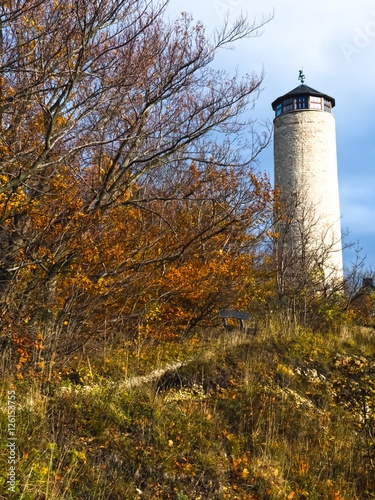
column 306, row 169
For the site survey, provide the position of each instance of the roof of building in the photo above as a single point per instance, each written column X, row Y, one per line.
column 302, row 90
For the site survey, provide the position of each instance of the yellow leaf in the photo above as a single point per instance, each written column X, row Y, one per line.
column 245, row 473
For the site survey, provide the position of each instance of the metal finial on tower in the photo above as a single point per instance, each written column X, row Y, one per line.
column 301, row 76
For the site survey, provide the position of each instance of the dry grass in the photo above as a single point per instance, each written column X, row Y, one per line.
column 238, row 417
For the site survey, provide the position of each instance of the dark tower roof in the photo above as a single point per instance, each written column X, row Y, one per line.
column 302, row 90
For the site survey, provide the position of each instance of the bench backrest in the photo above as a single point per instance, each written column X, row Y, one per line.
column 227, row 313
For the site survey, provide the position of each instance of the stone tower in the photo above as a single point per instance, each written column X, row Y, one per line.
column 306, row 174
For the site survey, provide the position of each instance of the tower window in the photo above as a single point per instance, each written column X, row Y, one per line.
column 278, row 110
column 327, row 106
column 315, row 102
column 302, row 102
column 288, row 105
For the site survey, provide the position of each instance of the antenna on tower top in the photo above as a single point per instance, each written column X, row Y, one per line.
column 301, row 76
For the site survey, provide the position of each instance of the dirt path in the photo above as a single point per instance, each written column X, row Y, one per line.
column 226, row 341
column 154, row 375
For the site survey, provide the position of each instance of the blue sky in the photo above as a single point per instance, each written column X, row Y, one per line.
column 334, row 43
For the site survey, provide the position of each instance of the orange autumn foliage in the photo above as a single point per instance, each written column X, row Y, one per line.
column 129, row 202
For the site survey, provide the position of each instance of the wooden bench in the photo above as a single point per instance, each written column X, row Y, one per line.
column 226, row 314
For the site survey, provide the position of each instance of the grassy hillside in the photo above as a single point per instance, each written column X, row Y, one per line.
column 285, row 414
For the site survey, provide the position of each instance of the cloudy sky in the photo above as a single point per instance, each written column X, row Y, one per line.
column 334, row 42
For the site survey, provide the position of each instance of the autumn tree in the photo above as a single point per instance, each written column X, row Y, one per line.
column 207, row 241
column 122, row 153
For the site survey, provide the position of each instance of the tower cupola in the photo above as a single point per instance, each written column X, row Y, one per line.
column 303, row 97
